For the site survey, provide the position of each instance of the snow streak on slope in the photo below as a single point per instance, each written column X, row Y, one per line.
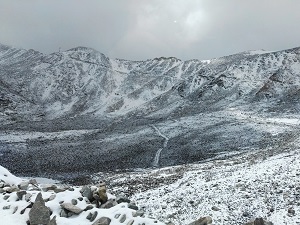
column 165, row 144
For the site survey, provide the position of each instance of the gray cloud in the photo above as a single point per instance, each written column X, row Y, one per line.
column 141, row 29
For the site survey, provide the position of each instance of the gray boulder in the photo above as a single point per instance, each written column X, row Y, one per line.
column 122, row 218
column 122, row 198
column 20, row 194
column 130, row 222
column 28, row 197
column 39, row 213
column 6, row 207
column 109, row 204
column 92, row 216
column 23, row 185
column 259, row 221
column 133, row 206
column 12, row 189
column 95, row 214
column 202, row 221
column 64, row 213
column 72, row 208
column 53, row 221
column 87, row 192
column 48, row 187
column 102, row 221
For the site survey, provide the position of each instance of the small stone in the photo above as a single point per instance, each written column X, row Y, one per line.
column 53, row 221
column 12, row 189
column 132, row 206
column 245, row 214
column 48, row 187
column 27, row 207
column 214, row 208
column 6, row 207
column 71, row 208
column 87, row 192
column 28, row 197
column 1, row 190
column 58, row 190
column 202, row 221
column 70, row 214
column 23, row 185
column 71, row 189
column 102, row 221
column 122, row 198
column 88, row 207
column 170, row 223
column 20, row 194
column 108, row 204
column 95, row 214
column 15, row 210
column 291, row 211
column 63, row 213
column 80, row 198
column 33, row 182
column 130, row 222
column 74, row 201
column 6, row 197
column 52, row 197
column 89, row 216
column 117, row 216
column 122, row 219
column 139, row 213
column 258, row 221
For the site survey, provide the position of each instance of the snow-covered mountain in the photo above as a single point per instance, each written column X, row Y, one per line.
column 83, row 81
column 114, row 113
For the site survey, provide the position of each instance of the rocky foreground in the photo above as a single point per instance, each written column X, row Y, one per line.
column 33, row 203
column 28, row 202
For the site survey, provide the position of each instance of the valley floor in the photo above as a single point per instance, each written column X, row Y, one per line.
column 232, row 189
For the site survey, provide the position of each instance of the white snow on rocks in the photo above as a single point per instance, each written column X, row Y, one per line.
column 9, row 178
column 11, row 206
column 232, row 191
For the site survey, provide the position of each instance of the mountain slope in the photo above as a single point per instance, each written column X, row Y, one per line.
column 203, row 108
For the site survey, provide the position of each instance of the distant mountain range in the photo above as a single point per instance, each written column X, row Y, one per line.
column 83, row 81
column 191, row 110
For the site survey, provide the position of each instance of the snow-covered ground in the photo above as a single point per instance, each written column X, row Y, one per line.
column 263, row 183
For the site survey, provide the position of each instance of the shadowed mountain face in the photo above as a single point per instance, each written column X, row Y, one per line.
column 80, row 111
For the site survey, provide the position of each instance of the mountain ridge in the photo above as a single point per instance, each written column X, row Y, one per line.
column 156, row 76
column 111, row 106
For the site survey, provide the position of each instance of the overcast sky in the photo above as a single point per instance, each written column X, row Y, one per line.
column 142, row 29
